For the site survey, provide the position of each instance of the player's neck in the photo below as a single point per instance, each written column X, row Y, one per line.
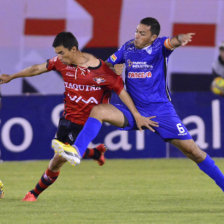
column 80, row 59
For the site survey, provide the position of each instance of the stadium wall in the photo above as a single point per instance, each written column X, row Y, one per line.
column 29, row 124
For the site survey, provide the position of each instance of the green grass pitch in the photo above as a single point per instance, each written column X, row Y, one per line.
column 147, row 191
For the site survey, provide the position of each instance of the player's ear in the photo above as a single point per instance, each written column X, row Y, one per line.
column 153, row 37
column 74, row 49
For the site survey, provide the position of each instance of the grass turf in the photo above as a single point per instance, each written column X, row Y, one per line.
column 157, row 191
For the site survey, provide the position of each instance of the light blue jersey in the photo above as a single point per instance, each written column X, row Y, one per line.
column 145, row 74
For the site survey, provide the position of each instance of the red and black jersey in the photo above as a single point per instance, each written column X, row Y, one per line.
column 85, row 87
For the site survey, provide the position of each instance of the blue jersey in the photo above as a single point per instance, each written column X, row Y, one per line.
column 145, row 73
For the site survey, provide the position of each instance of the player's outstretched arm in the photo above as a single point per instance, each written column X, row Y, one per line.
column 181, row 39
column 140, row 120
column 27, row 72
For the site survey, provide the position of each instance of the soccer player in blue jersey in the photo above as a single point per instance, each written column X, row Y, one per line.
column 145, row 58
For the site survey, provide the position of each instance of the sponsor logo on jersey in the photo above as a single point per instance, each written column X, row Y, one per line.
column 68, row 67
column 139, row 75
column 99, row 80
column 113, row 57
column 138, row 64
column 77, row 87
column 70, row 74
column 77, row 99
column 129, row 63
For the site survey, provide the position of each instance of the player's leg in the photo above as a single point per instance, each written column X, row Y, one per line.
column 99, row 114
column 50, row 175
column 172, row 129
column 96, row 153
column 56, row 163
column 52, row 172
column 48, row 178
column 117, row 115
column 203, row 160
column 189, row 149
column 67, row 132
column 73, row 156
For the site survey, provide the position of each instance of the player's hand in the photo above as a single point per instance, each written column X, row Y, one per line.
column 118, row 68
column 185, row 38
column 4, row 78
column 146, row 122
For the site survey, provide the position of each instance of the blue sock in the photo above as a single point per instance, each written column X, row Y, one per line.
column 208, row 166
column 88, row 133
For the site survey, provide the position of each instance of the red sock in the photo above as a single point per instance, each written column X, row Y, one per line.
column 48, row 178
column 89, row 153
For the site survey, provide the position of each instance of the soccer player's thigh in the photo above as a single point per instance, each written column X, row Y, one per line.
column 108, row 113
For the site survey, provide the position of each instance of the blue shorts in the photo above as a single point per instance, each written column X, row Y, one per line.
column 170, row 125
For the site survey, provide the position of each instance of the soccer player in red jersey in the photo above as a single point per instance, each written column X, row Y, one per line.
column 88, row 81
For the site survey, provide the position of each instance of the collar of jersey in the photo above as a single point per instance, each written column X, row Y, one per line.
column 146, row 48
column 89, row 66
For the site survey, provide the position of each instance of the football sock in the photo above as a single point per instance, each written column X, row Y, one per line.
column 45, row 181
column 208, row 166
column 92, row 153
column 88, row 133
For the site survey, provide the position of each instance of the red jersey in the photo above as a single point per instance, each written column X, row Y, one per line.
column 85, row 87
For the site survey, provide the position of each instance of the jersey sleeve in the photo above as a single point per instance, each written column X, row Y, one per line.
column 112, row 80
column 117, row 57
column 118, row 85
column 51, row 63
column 167, row 46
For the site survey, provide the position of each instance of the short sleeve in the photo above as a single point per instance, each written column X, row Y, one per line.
column 114, row 82
column 117, row 57
column 51, row 63
column 109, row 79
column 118, row 85
column 167, row 46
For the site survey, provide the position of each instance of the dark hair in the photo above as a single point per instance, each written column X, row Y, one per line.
column 153, row 23
column 221, row 46
column 65, row 39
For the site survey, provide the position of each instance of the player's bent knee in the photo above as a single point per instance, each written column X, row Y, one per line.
column 190, row 149
column 196, row 154
column 98, row 111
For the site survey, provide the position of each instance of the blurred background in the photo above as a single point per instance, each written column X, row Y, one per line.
column 30, row 108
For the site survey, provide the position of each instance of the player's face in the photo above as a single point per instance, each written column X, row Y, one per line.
column 65, row 55
column 143, row 36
